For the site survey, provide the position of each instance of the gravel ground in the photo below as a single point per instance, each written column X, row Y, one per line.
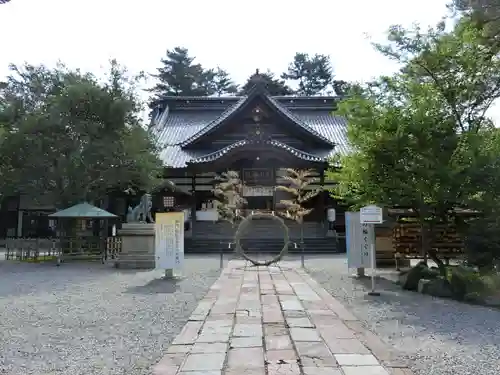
column 434, row 336
column 92, row 319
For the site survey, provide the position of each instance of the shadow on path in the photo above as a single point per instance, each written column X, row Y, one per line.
column 156, row 286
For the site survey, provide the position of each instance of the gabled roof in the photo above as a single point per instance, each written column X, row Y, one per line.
column 178, row 119
column 270, row 143
column 83, row 210
column 242, row 104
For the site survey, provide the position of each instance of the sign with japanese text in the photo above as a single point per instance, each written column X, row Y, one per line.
column 169, row 240
column 258, row 191
column 367, row 239
column 359, row 237
column 258, row 176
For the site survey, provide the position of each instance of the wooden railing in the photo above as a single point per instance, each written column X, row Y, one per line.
column 31, row 249
column 63, row 248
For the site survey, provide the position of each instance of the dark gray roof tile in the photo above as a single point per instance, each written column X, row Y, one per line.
column 175, row 128
column 242, row 102
column 273, row 143
column 329, row 126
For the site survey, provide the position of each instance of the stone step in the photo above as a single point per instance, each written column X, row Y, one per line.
column 311, row 245
column 258, row 231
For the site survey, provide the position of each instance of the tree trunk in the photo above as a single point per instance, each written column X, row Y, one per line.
column 427, row 241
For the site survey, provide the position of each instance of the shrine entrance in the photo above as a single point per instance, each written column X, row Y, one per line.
column 260, row 203
column 259, row 198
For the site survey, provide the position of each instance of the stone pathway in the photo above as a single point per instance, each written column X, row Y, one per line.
column 274, row 321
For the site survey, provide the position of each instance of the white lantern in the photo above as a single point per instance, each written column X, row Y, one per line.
column 331, row 215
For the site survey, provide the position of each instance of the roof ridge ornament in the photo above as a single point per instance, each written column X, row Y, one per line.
column 258, row 81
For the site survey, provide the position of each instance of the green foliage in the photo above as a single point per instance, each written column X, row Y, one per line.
column 420, row 138
column 461, row 70
column 273, row 85
column 222, row 83
column 469, row 285
column 482, row 240
column 179, row 75
column 297, row 182
column 484, row 13
column 404, row 154
column 314, row 74
column 73, row 137
column 229, row 193
column 343, row 88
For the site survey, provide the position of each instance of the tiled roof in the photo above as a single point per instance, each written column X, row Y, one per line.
column 173, row 128
column 272, row 143
column 242, row 102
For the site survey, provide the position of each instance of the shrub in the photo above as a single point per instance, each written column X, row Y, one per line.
column 420, row 271
column 469, row 285
column 482, row 241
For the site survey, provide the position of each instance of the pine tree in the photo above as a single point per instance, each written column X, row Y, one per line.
column 314, row 74
column 273, row 85
column 180, row 76
column 222, row 83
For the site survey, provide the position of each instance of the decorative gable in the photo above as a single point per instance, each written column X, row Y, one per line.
column 253, row 116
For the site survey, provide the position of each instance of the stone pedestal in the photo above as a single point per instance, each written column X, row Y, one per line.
column 138, row 246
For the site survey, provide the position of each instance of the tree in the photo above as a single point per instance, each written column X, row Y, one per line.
column 481, row 232
column 312, row 73
column 273, row 85
column 229, row 193
column 343, row 88
column 72, row 137
column 297, row 182
column 180, row 76
column 421, row 138
column 222, row 83
column 463, row 71
column 484, row 13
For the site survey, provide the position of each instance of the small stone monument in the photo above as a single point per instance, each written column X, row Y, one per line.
column 138, row 237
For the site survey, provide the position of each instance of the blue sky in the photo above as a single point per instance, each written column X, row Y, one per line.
column 240, row 36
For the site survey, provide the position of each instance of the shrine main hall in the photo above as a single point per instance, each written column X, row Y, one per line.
column 258, row 136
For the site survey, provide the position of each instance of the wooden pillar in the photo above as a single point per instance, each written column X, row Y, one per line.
column 323, row 199
column 193, row 202
column 275, row 177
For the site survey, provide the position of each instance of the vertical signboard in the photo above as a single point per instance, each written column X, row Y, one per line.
column 358, row 237
column 369, row 216
column 367, row 239
column 169, row 240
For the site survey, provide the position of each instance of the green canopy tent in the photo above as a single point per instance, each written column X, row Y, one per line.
column 78, row 241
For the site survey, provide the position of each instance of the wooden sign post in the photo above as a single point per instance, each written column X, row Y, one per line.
column 371, row 215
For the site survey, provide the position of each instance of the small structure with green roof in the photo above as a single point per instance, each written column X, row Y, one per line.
column 77, row 239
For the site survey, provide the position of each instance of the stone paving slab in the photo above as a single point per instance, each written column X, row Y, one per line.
column 274, row 320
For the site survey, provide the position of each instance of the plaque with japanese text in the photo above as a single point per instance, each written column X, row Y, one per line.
column 258, row 176
column 169, row 240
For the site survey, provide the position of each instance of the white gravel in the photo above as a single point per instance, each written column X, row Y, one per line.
column 86, row 319
column 434, row 336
